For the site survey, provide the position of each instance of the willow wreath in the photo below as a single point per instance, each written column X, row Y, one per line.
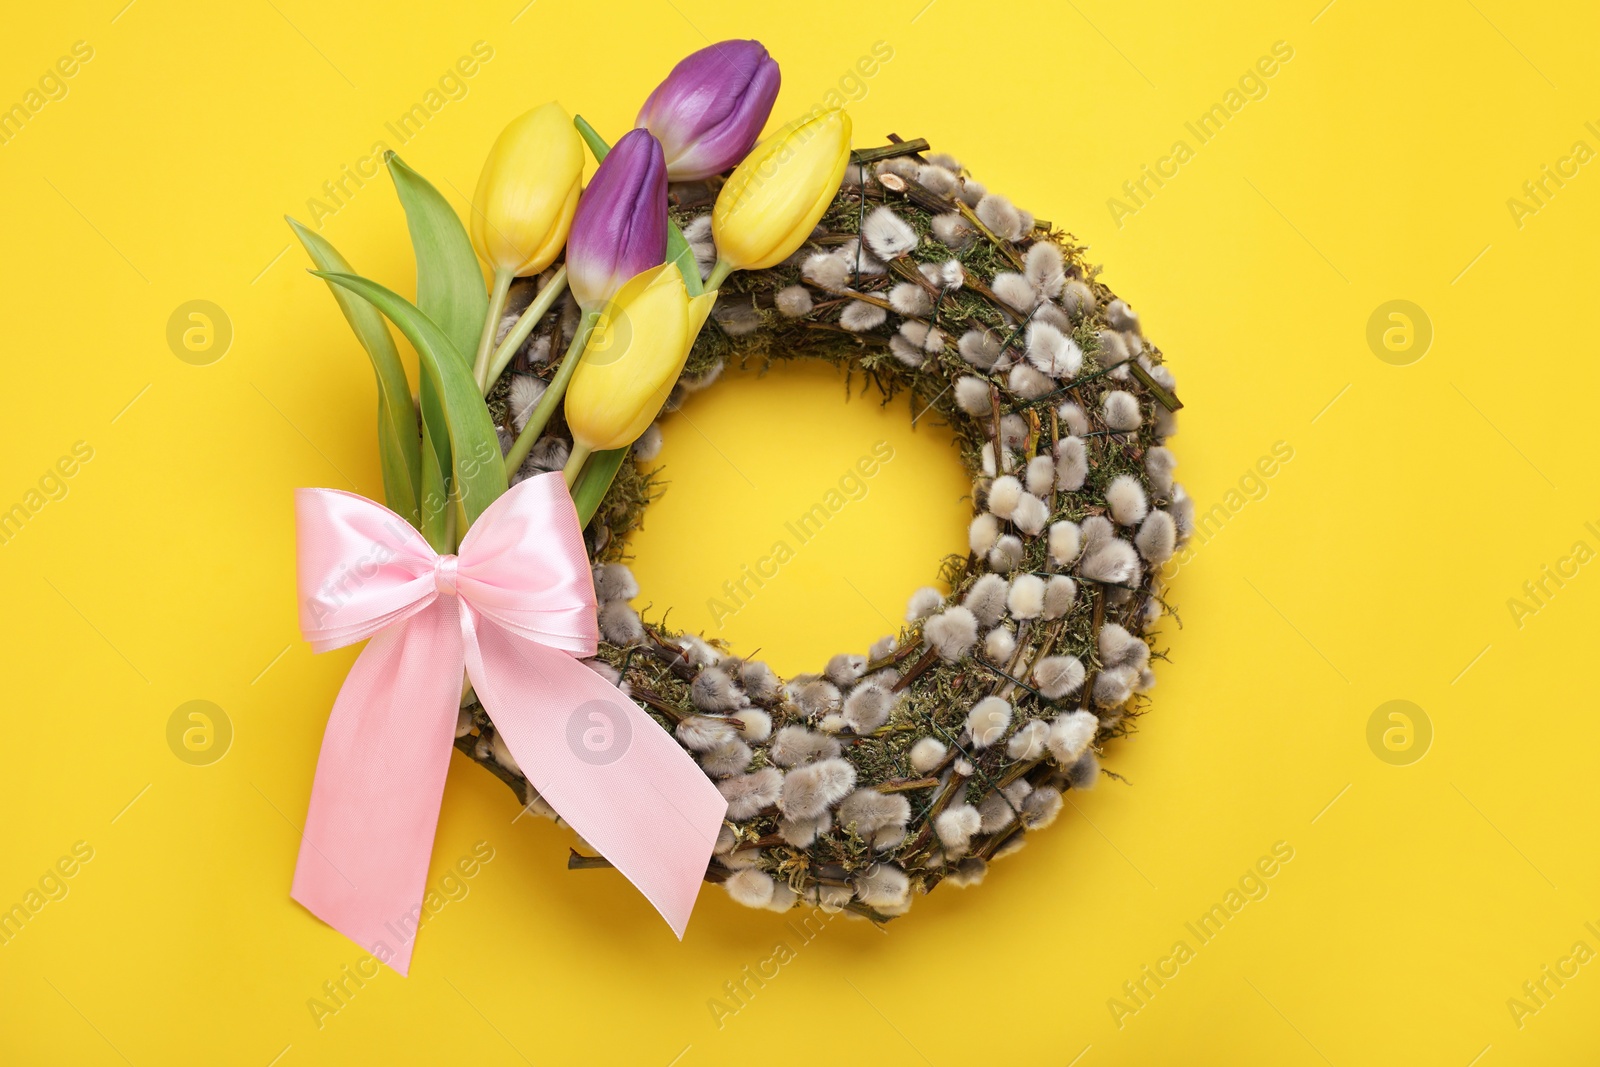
column 936, row 751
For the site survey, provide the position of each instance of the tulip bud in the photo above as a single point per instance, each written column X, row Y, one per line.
column 620, row 230
column 633, row 358
column 771, row 202
column 711, row 108
column 528, row 192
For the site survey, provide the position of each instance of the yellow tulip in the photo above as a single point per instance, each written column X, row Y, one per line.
column 773, row 200
column 528, row 192
column 633, row 358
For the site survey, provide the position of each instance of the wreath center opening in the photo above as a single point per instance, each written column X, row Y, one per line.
column 793, row 520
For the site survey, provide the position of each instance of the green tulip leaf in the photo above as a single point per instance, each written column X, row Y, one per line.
column 680, row 255
column 396, row 454
column 450, row 291
column 595, row 480
column 597, row 144
column 398, row 441
column 435, row 499
column 480, row 476
column 450, row 288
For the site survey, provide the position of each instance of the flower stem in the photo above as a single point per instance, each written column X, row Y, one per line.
column 491, row 322
column 552, row 395
column 519, row 333
column 575, row 461
column 719, row 274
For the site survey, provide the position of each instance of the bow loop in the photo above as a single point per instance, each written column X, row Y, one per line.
column 361, row 568
column 524, row 565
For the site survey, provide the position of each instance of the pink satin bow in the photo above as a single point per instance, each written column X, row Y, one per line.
column 516, row 610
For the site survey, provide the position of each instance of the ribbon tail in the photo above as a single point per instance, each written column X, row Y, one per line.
column 363, row 863
column 620, row 781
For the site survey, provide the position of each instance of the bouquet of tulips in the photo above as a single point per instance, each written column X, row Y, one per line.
column 629, row 270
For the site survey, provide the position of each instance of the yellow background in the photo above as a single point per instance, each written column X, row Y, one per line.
column 1377, row 566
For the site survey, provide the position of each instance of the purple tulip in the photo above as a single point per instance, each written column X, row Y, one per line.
column 620, row 228
column 711, row 108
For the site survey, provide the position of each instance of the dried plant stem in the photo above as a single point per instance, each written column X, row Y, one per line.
column 940, row 802
column 862, row 339
column 889, row 151
column 1003, row 246
column 1017, row 770
column 865, row 298
column 905, row 785
column 992, row 669
column 916, row 669
column 1070, row 388
column 1039, row 654
column 991, row 846
column 1049, row 643
column 1099, row 598
column 989, row 295
column 900, row 655
column 672, row 657
column 1055, row 435
column 654, row 700
column 1002, row 454
column 903, row 266
column 1159, row 391
column 1002, row 688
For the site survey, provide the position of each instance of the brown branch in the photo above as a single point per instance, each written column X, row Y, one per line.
column 1099, row 596
column 905, row 785
column 889, row 151
column 1004, row 246
column 1159, row 391
column 903, row 266
column 900, row 654
column 916, row 670
column 989, row 295
column 861, row 338
column 655, row 700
